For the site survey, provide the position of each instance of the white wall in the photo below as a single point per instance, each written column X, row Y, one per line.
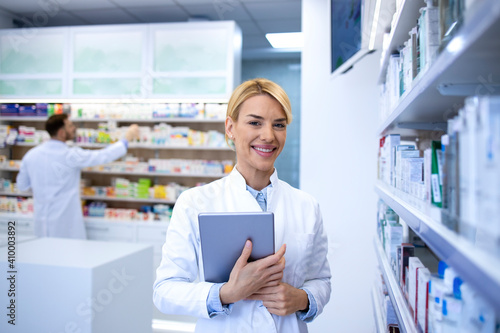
column 338, row 166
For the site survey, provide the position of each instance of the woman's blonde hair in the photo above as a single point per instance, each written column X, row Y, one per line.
column 256, row 87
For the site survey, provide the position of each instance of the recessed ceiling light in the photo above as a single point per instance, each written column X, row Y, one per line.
column 286, row 40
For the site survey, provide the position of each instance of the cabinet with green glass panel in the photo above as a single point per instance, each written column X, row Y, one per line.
column 107, row 61
column 33, row 62
column 135, row 61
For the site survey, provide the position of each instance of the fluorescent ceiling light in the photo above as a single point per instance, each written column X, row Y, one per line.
column 286, row 40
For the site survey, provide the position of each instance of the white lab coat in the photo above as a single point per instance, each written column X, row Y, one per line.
column 298, row 223
column 52, row 171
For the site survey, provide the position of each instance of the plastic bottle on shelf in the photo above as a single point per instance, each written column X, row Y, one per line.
column 452, row 307
column 477, row 315
column 437, row 290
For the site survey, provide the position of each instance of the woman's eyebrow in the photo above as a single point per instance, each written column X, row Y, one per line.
column 255, row 116
column 262, row 118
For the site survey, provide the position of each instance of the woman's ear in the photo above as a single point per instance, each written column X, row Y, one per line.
column 229, row 127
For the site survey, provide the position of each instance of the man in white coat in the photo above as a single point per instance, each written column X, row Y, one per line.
column 52, row 171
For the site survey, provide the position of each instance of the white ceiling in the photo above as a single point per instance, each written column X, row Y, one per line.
column 255, row 17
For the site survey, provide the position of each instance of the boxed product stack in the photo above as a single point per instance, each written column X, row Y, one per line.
column 4, row 132
column 27, row 110
column 471, row 173
column 437, row 298
column 215, row 111
column 415, row 56
column 192, row 110
column 9, row 110
column 122, row 187
column 166, row 110
column 428, row 28
column 16, row 205
column 411, row 170
column 142, row 188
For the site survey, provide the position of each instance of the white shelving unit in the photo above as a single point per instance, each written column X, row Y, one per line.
column 155, row 174
column 140, row 174
column 16, row 194
column 150, row 200
column 96, row 197
column 23, row 119
column 119, row 120
column 154, row 147
column 406, row 322
column 463, row 68
column 29, row 218
column 89, row 219
column 467, row 66
column 477, row 267
column 377, row 313
column 405, row 21
column 138, row 146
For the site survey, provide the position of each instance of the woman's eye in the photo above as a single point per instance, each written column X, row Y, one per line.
column 280, row 125
column 254, row 123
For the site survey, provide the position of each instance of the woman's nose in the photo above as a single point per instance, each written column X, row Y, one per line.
column 267, row 134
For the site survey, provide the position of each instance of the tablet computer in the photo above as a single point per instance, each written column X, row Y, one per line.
column 223, row 236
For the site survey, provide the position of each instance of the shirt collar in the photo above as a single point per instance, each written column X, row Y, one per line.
column 237, row 177
column 255, row 192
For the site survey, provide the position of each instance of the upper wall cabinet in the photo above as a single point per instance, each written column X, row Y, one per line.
column 196, row 59
column 32, row 62
column 167, row 61
column 108, row 61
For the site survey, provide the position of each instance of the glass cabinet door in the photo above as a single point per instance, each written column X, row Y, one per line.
column 191, row 60
column 32, row 64
column 107, row 62
column 40, row 54
column 191, row 50
column 107, row 52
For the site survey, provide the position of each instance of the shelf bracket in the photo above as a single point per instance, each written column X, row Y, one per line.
column 468, row 89
column 431, row 126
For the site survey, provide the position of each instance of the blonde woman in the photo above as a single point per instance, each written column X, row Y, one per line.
column 279, row 293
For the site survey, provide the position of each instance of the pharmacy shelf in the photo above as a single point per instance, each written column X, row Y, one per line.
column 113, row 100
column 139, row 146
column 16, row 194
column 466, row 66
column 15, row 216
column 8, row 168
column 150, row 120
column 154, row 174
column 23, row 119
column 406, row 19
column 405, row 320
column 29, row 218
column 139, row 200
column 379, row 319
column 475, row 266
column 119, row 120
column 154, row 147
column 25, row 144
column 140, row 174
column 88, row 219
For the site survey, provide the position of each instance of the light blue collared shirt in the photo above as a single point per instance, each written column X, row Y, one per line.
column 214, row 305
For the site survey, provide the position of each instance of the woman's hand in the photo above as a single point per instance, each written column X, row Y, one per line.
column 247, row 278
column 282, row 299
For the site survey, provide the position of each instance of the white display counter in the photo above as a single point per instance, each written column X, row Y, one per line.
column 65, row 285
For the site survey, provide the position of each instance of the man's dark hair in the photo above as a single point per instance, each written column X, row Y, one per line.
column 55, row 123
